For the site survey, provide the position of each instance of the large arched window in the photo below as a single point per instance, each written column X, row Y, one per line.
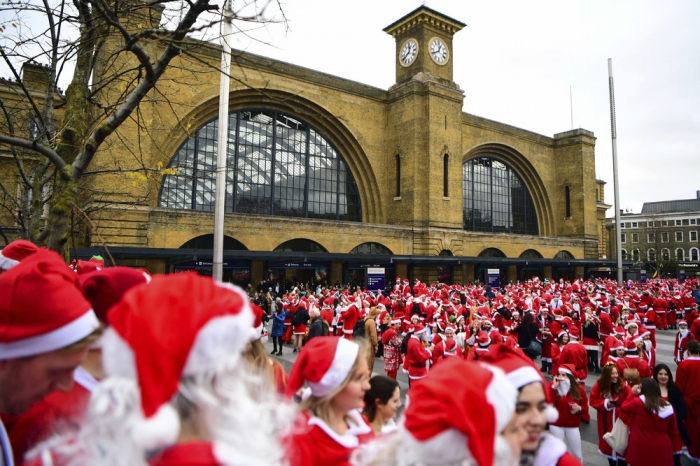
column 276, row 165
column 370, row 248
column 495, row 198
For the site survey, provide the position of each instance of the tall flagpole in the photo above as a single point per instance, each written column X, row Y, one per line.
column 222, row 152
column 618, row 230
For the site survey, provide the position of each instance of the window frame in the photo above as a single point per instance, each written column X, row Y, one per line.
column 676, row 236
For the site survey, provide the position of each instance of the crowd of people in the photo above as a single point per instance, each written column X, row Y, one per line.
column 112, row 366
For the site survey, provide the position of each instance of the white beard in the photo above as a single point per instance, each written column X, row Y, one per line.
column 647, row 345
column 564, row 387
column 684, row 333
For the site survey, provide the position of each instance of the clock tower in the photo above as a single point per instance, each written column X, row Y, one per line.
column 424, row 44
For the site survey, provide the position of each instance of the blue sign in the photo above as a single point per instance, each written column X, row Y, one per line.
column 375, row 278
column 681, row 276
column 207, row 264
column 642, row 276
column 494, row 280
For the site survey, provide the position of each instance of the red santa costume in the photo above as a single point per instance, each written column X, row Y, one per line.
column 392, row 349
column 349, row 311
column 63, row 412
column 606, row 405
column 682, row 338
column 325, row 364
column 688, row 381
column 652, row 436
column 42, row 311
column 180, row 335
column 483, row 343
column 575, row 354
column 456, row 416
column 571, row 411
column 417, row 355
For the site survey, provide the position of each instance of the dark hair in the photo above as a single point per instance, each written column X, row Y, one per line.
column 382, row 388
column 605, row 384
column 693, row 347
column 652, row 394
column 528, row 318
column 670, row 385
column 575, row 387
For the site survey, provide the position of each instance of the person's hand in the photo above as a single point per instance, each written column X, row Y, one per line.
column 555, row 382
column 637, row 389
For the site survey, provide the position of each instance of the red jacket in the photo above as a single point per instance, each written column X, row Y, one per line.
column 634, row 362
column 688, row 380
column 416, row 357
column 607, row 415
column 574, row 353
column 199, row 453
column 652, row 436
column 562, row 403
column 314, row 443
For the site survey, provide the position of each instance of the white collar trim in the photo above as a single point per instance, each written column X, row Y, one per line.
column 664, row 412
column 349, row 438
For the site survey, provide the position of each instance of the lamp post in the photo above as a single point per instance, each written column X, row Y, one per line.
column 618, row 231
column 222, row 141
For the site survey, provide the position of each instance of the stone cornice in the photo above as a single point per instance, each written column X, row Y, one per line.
column 426, row 16
column 481, row 122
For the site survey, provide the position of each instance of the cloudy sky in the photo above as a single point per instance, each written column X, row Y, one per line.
column 516, row 62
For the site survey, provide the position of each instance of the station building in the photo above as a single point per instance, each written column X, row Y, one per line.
column 327, row 177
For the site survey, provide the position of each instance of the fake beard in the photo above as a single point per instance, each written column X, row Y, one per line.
column 564, row 387
column 684, row 333
column 647, row 345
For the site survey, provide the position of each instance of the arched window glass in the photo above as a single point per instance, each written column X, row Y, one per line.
column 276, row 165
column 445, row 175
column 624, row 254
column 300, row 245
column 694, row 254
column 635, row 254
column 495, row 198
column 680, row 254
column 370, row 248
column 398, row 175
column 530, row 254
column 565, row 255
column 207, row 242
column 491, row 252
column 651, row 255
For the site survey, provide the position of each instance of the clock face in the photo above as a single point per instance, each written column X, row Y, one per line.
column 409, row 51
column 438, row 51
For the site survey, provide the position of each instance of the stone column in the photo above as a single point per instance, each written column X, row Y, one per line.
column 547, row 271
column 256, row 273
column 512, row 274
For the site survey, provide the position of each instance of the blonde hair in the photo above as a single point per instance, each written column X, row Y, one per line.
column 321, row 407
column 260, row 363
column 85, row 342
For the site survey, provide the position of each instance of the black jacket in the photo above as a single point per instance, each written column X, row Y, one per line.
column 675, row 397
column 316, row 329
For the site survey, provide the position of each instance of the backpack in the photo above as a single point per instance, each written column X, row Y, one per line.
column 358, row 331
column 631, row 375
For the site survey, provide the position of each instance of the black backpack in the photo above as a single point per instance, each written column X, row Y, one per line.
column 299, row 317
column 358, row 331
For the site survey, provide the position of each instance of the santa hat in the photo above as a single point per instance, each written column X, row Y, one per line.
column 567, row 369
column 520, row 371
column 324, row 363
column 418, row 329
column 639, row 337
column 574, row 332
column 42, row 308
column 630, row 346
column 619, row 330
column 619, row 345
column 450, row 345
column 483, row 339
column 457, row 412
column 104, row 288
column 15, row 252
column 682, row 322
column 178, row 325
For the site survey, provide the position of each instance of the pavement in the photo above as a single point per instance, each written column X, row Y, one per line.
column 589, row 432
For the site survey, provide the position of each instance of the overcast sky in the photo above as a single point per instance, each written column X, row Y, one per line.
column 516, row 61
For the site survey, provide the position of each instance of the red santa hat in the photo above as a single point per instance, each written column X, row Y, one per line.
column 483, row 339
column 42, row 308
column 620, row 345
column 682, row 322
column 257, row 322
column 177, row 325
column 574, row 332
column 324, row 363
column 457, row 412
column 418, row 329
column 567, row 369
column 630, row 346
column 520, row 371
column 104, row 288
column 450, row 345
column 15, row 252
column 619, row 330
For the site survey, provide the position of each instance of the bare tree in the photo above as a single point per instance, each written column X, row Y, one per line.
column 104, row 45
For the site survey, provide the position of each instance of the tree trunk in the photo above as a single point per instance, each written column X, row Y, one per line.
column 59, row 217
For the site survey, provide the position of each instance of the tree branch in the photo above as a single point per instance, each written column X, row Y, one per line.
column 36, row 147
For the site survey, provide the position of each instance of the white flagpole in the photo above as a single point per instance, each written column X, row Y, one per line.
column 222, row 152
column 618, row 230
